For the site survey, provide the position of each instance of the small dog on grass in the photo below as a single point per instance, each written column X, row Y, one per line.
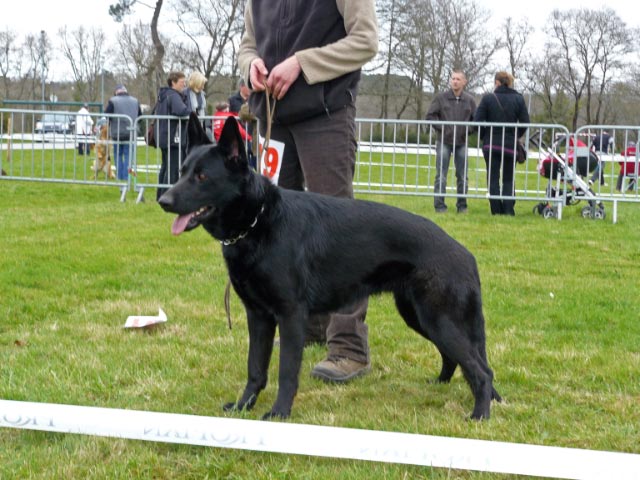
column 102, row 163
column 293, row 254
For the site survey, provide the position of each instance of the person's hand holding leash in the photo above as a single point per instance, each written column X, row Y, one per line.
column 282, row 76
column 278, row 80
column 258, row 75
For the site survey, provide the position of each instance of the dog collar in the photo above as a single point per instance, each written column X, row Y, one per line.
column 231, row 241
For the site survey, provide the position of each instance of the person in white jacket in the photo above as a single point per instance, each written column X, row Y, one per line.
column 84, row 130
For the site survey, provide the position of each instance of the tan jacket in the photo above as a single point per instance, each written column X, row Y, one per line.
column 333, row 60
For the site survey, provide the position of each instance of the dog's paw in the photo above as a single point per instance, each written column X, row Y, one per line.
column 479, row 416
column 275, row 415
column 236, row 406
column 242, row 404
column 495, row 395
column 230, row 407
column 438, row 381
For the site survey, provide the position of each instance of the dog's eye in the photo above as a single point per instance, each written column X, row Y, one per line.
column 201, row 177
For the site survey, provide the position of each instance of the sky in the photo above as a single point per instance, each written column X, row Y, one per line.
column 35, row 15
column 32, row 16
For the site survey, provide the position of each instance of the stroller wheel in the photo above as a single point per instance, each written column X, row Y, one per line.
column 539, row 208
column 549, row 212
column 586, row 211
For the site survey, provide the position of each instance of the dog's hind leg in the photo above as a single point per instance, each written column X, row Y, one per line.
column 448, row 368
column 483, row 353
column 457, row 330
column 458, row 347
column 408, row 312
column 262, row 328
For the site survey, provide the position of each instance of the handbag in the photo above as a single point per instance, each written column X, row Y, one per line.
column 521, row 151
column 150, row 136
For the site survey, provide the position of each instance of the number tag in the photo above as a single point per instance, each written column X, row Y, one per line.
column 271, row 162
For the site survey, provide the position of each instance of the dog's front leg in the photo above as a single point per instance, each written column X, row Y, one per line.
column 262, row 328
column 291, row 348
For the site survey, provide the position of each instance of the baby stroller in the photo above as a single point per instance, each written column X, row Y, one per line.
column 567, row 173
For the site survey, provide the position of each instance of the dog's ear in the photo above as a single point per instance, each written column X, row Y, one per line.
column 195, row 133
column 231, row 142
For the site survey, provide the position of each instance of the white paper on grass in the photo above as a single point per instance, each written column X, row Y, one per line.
column 140, row 321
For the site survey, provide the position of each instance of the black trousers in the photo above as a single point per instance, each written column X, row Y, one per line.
column 500, row 180
column 169, row 169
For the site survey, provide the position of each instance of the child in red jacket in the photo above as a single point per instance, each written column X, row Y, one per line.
column 221, row 115
column 628, row 168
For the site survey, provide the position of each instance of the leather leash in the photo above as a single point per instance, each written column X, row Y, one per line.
column 265, row 148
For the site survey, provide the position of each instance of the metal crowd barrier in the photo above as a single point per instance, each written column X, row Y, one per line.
column 394, row 157
column 148, row 160
column 399, row 157
column 54, row 151
column 619, row 162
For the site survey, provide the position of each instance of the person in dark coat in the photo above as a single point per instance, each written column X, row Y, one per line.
column 171, row 134
column 239, row 107
column 504, row 105
column 601, row 145
column 239, row 98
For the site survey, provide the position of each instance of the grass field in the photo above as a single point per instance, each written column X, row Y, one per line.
column 563, row 337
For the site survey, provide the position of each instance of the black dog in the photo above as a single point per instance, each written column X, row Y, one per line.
column 292, row 254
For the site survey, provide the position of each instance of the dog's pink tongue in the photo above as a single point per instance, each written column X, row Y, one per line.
column 180, row 223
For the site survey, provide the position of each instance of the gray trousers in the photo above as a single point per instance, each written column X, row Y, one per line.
column 443, row 158
column 320, row 155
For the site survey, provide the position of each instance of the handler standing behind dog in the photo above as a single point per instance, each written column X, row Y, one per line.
column 122, row 104
column 309, row 54
column 454, row 105
column 171, row 134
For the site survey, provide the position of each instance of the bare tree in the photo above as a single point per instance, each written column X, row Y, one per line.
column 516, row 39
column 470, row 47
column 387, row 14
column 84, row 51
column 622, row 102
column 590, row 45
column 210, row 27
column 10, row 60
column 37, row 50
column 436, row 36
column 416, row 54
column 547, row 82
column 133, row 54
column 154, row 73
column 615, row 43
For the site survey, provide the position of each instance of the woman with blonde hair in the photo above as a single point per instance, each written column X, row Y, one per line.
column 504, row 105
column 194, row 93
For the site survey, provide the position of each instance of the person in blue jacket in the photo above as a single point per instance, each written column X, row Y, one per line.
column 121, row 129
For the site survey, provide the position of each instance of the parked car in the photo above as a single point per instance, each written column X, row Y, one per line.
column 55, row 123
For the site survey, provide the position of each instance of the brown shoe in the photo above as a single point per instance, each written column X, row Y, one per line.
column 339, row 369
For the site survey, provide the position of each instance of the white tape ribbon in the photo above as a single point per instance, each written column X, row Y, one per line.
column 392, row 447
